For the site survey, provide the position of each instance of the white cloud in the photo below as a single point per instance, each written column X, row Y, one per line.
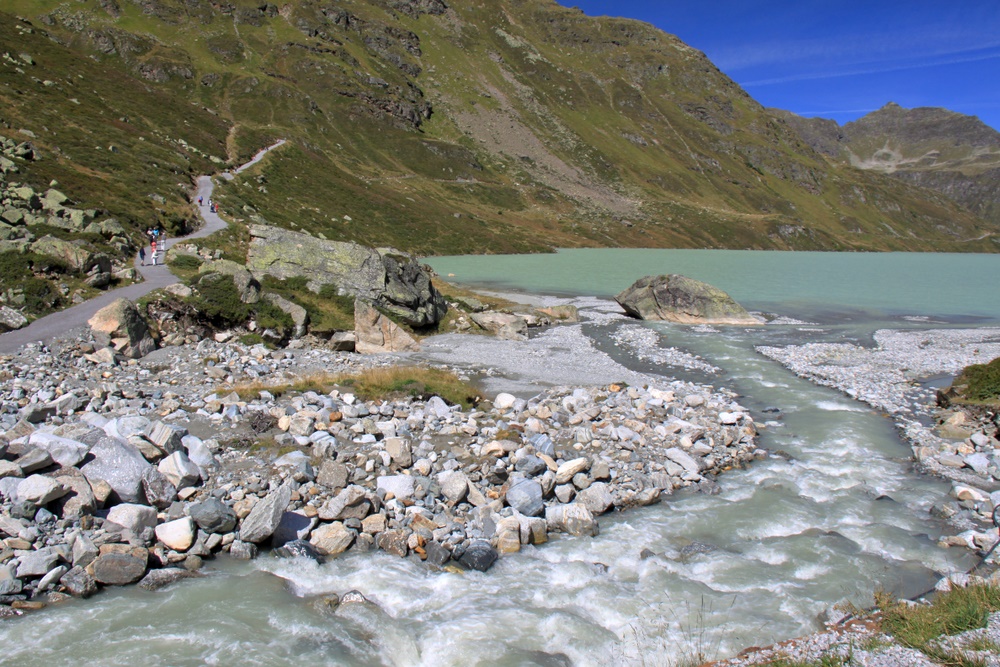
column 872, row 68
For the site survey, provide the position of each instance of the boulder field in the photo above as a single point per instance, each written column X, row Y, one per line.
column 118, row 473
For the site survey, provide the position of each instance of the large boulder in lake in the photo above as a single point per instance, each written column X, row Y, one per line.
column 677, row 298
column 119, row 325
column 394, row 282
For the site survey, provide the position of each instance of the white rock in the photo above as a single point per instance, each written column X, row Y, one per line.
column 683, row 459
column 566, row 471
column 401, row 486
column 133, row 517
column 179, row 469
column 178, row 535
column 504, row 401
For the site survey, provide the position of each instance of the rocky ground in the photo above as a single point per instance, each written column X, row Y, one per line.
column 861, row 643
column 118, row 470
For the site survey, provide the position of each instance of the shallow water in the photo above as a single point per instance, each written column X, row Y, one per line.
column 837, row 515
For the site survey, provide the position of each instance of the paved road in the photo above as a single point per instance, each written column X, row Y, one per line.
column 154, row 277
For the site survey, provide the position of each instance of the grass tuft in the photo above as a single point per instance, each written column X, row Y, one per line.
column 951, row 613
column 376, row 384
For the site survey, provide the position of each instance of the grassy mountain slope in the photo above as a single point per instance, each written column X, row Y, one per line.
column 952, row 153
column 491, row 126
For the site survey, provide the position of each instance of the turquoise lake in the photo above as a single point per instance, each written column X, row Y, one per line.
column 823, row 285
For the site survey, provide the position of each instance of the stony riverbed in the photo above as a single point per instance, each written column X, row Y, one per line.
column 115, row 472
column 949, row 443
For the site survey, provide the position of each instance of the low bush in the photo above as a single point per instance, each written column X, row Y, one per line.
column 185, row 262
column 269, row 316
column 377, row 384
column 981, row 381
column 218, row 300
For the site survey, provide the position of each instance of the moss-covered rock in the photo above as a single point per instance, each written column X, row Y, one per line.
column 978, row 383
column 393, row 282
column 247, row 285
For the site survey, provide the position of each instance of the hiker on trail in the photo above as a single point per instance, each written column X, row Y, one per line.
column 200, row 200
column 142, row 256
column 153, row 251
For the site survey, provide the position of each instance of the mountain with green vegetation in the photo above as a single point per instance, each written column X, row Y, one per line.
column 935, row 148
column 431, row 126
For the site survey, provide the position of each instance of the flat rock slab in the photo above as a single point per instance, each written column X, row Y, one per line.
column 116, row 569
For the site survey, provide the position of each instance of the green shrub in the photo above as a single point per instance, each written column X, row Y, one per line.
column 186, row 262
column 218, row 300
column 419, row 382
column 982, row 381
column 269, row 316
column 293, row 285
column 343, row 302
column 39, row 295
column 14, row 266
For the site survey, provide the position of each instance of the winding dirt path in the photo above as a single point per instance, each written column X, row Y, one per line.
column 46, row 328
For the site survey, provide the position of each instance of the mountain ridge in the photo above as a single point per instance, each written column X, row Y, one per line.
column 932, row 147
column 499, row 126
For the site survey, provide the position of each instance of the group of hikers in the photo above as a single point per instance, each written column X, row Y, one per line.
column 212, row 206
column 157, row 237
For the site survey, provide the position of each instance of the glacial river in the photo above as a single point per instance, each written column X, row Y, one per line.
column 838, row 515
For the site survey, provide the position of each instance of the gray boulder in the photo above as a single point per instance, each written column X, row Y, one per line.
column 213, row 516
column 394, row 282
column 300, row 318
column 293, row 526
column 10, row 319
column 179, row 469
column 265, row 516
column 64, row 451
column 479, row 556
column 526, row 497
column 119, row 325
column 119, row 464
column 504, row 325
column 574, row 519
column 133, row 517
column 37, row 563
column 40, row 490
column 375, row 333
column 116, row 569
column 246, row 284
column 79, row 583
column 79, row 498
column 677, row 298
column 596, row 497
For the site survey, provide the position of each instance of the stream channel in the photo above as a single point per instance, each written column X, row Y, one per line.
column 840, row 513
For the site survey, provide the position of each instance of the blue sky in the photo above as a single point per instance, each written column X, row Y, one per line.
column 841, row 60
